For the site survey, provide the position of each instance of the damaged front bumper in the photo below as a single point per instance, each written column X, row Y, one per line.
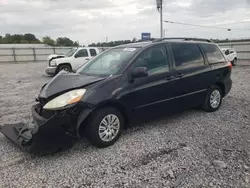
column 49, row 132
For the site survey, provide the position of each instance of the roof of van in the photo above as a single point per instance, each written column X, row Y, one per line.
column 169, row 40
column 136, row 45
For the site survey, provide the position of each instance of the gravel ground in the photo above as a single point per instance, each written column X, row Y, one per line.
column 191, row 149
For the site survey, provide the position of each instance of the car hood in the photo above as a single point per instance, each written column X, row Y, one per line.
column 64, row 82
column 54, row 56
column 63, row 59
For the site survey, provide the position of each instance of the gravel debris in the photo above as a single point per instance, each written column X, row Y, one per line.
column 172, row 151
column 219, row 164
column 171, row 174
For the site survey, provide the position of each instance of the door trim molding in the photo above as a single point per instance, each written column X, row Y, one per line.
column 169, row 99
column 200, row 91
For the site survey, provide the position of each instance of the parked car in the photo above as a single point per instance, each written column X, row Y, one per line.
column 72, row 60
column 231, row 55
column 123, row 85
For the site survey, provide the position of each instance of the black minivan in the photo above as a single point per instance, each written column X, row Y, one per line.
column 121, row 85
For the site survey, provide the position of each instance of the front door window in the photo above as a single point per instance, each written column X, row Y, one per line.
column 154, row 59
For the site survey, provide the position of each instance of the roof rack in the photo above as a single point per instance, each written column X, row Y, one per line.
column 182, row 38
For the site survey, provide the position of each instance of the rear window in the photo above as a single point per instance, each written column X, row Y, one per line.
column 187, row 55
column 214, row 55
column 93, row 52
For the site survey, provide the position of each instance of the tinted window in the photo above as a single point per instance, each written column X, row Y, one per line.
column 187, row 55
column 93, row 52
column 214, row 55
column 154, row 59
column 82, row 53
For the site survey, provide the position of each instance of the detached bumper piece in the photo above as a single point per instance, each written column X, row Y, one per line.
column 43, row 136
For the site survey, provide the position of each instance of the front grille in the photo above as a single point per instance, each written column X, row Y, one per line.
column 47, row 114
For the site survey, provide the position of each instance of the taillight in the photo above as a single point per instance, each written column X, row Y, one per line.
column 230, row 66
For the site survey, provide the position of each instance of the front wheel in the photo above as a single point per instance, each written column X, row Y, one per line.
column 213, row 99
column 64, row 67
column 104, row 127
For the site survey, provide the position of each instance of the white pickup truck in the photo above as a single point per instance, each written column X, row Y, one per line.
column 72, row 60
column 231, row 55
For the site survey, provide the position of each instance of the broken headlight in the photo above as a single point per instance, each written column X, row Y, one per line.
column 53, row 63
column 65, row 99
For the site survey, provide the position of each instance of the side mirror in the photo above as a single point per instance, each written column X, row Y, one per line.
column 227, row 52
column 77, row 55
column 140, row 72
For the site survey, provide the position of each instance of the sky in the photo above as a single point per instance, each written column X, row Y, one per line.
column 90, row 21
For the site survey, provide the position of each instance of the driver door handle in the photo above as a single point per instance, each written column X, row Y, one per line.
column 170, row 78
column 180, row 75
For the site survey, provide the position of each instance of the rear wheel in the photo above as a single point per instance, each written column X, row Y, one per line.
column 104, row 127
column 234, row 62
column 213, row 99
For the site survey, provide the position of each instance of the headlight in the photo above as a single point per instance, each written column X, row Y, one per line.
column 53, row 63
column 70, row 97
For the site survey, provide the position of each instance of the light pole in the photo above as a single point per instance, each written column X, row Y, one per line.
column 230, row 37
column 159, row 7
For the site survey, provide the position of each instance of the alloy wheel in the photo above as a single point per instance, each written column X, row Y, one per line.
column 109, row 128
column 215, row 99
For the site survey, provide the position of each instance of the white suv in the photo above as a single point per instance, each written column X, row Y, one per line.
column 231, row 55
column 72, row 60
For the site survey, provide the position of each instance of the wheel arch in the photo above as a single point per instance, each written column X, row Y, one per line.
column 116, row 104
column 84, row 115
column 61, row 64
column 222, row 87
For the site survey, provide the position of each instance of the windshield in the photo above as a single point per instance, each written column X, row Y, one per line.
column 108, row 63
column 71, row 52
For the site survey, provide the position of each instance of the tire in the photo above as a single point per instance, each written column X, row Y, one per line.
column 210, row 106
column 96, row 130
column 64, row 67
column 234, row 62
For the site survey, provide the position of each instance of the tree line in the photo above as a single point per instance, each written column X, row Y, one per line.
column 64, row 41
column 31, row 39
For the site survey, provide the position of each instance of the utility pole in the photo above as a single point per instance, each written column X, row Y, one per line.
column 161, row 20
column 159, row 7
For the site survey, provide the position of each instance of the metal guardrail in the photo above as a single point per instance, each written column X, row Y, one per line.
column 19, row 55
column 15, row 55
column 242, row 49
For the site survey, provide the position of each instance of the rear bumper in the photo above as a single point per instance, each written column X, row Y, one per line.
column 51, row 70
column 43, row 136
column 228, row 86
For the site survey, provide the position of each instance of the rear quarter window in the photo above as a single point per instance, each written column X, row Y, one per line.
column 213, row 53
